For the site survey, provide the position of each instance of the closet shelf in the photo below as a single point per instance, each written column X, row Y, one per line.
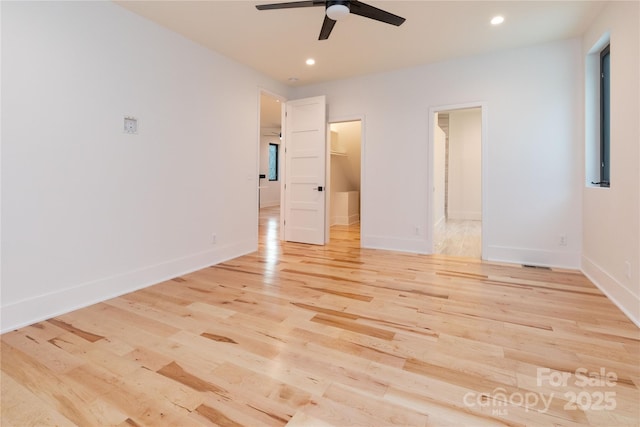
column 338, row 153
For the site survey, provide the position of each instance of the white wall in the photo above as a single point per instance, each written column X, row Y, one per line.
column 269, row 190
column 465, row 164
column 611, row 215
column 439, row 169
column 89, row 212
column 535, row 130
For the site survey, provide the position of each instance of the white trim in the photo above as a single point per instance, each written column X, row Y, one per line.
column 543, row 258
column 418, row 246
column 270, row 204
column 622, row 297
column 41, row 307
column 327, row 184
column 345, row 219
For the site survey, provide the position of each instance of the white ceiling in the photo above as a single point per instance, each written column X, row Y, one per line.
column 277, row 42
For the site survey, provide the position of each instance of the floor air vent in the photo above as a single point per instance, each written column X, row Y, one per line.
column 539, row 267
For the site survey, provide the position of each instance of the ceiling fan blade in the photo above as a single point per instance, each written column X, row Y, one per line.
column 363, row 9
column 290, row 5
column 327, row 26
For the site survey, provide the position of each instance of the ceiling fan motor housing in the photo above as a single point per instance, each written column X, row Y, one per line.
column 338, row 9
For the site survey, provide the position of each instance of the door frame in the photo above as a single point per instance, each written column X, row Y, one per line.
column 484, row 166
column 343, row 119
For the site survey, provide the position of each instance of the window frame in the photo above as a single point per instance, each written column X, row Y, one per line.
column 276, row 162
column 605, row 118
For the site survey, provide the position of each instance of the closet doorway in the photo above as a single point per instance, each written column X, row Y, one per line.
column 345, row 184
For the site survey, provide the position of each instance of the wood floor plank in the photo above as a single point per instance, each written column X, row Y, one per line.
column 332, row 335
column 147, row 398
column 47, row 353
column 71, row 401
column 23, row 408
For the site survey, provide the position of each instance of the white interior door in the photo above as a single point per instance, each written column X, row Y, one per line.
column 305, row 161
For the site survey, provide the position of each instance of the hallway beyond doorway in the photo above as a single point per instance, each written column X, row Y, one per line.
column 458, row 169
column 456, row 237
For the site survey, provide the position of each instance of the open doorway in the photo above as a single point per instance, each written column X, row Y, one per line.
column 270, row 160
column 318, row 174
column 457, row 182
column 345, row 180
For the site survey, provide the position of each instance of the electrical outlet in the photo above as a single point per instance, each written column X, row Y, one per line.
column 563, row 240
column 627, row 269
column 214, row 239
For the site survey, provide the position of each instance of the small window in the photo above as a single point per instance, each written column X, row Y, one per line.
column 605, row 114
column 273, row 162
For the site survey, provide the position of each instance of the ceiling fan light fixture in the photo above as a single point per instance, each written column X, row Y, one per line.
column 337, row 12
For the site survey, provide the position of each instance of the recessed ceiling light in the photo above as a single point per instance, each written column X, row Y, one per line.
column 311, row 61
column 497, row 20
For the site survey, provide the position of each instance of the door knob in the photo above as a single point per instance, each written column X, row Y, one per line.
column 319, row 188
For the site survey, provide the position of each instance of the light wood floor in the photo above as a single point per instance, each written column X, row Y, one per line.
column 457, row 237
column 333, row 336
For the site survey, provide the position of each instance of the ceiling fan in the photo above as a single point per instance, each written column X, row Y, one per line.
column 335, row 10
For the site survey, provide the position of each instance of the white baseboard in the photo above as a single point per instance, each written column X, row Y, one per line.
column 418, row 245
column 269, row 204
column 622, row 297
column 494, row 253
column 544, row 258
column 46, row 306
column 465, row 215
column 345, row 220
